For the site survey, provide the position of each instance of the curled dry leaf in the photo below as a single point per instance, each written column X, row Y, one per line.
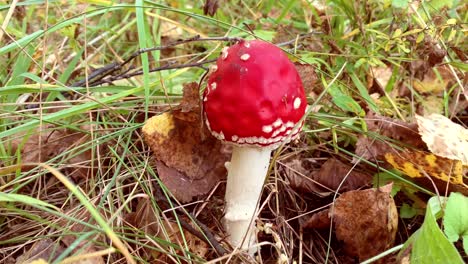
column 49, row 143
column 327, row 179
column 333, row 172
column 365, row 220
column 189, row 160
column 372, row 148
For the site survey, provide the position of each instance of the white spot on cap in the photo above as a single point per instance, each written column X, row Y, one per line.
column 276, row 133
column 278, row 122
column 267, row 129
column 205, row 99
column 247, row 44
column 297, row 103
column 290, row 124
column 224, row 52
column 221, row 135
column 213, row 68
column 213, row 86
column 234, row 138
column 245, row 57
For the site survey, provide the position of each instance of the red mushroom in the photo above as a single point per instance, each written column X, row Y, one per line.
column 255, row 101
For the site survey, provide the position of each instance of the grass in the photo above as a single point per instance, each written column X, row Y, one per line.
column 75, row 168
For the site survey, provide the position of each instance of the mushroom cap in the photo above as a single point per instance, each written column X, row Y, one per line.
column 254, row 96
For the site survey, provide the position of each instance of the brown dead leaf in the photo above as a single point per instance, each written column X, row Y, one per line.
column 75, row 227
column 372, row 148
column 309, row 79
column 434, row 81
column 43, row 145
column 45, row 249
column 190, row 160
column 365, row 220
column 145, row 218
column 210, row 7
column 333, row 172
column 298, row 177
column 327, row 179
column 378, row 78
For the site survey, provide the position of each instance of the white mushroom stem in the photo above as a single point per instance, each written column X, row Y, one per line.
column 246, row 176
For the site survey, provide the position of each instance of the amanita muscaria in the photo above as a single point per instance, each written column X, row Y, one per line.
column 255, row 101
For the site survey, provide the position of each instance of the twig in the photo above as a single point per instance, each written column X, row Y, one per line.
column 140, row 71
column 97, row 76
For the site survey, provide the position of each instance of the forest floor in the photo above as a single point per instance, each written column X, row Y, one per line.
column 378, row 173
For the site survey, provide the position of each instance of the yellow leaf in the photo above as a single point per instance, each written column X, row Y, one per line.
column 418, row 164
column 451, row 21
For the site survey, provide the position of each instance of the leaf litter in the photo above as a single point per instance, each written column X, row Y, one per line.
column 365, row 221
column 189, row 161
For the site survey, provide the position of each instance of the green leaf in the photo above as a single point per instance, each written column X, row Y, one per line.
column 407, row 211
column 400, row 3
column 13, row 197
column 362, row 90
column 429, row 244
column 344, row 101
column 436, row 5
column 460, row 65
column 456, row 219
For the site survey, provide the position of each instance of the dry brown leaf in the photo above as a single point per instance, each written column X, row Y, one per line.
column 75, row 227
column 42, row 249
column 145, row 218
column 381, row 76
column 42, row 146
column 432, row 82
column 365, row 220
column 333, row 172
column 190, row 160
column 371, row 148
column 210, row 7
column 327, row 179
column 309, row 79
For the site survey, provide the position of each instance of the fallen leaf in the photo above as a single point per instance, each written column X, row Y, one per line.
column 365, row 220
column 443, row 137
column 434, row 81
column 445, row 174
column 152, row 224
column 333, row 172
column 45, row 249
column 309, row 78
column 374, row 149
column 54, row 142
column 189, row 160
column 381, row 75
column 210, row 7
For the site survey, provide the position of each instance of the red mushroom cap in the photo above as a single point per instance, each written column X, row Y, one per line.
column 254, row 96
